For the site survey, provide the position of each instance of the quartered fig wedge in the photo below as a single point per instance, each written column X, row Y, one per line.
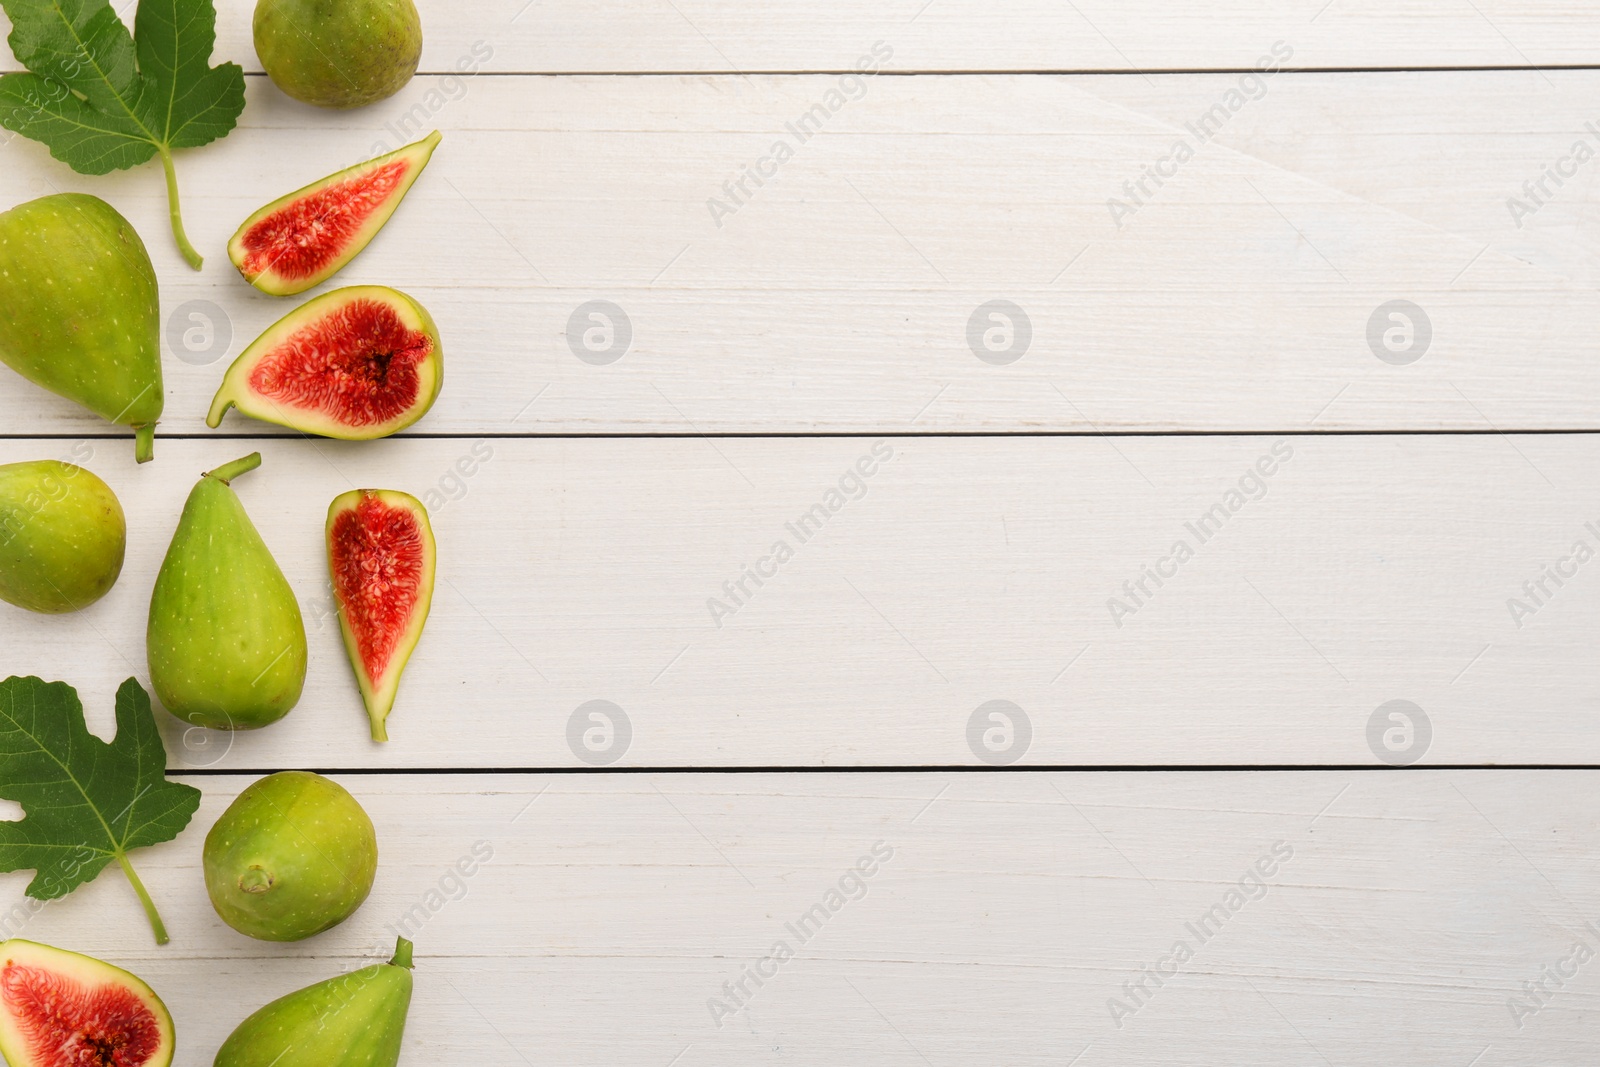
column 61, row 1009
column 357, row 363
column 305, row 238
column 381, row 557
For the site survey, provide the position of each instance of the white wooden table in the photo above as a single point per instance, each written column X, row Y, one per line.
column 1157, row 355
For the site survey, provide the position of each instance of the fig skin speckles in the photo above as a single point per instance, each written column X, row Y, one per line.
column 226, row 642
column 292, row 856
column 81, row 313
column 351, row 1020
column 338, row 53
column 63, row 536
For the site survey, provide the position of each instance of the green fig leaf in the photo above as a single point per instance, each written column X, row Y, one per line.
column 101, row 99
column 85, row 802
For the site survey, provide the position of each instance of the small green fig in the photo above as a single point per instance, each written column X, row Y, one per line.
column 226, row 641
column 338, row 53
column 292, row 856
column 62, row 536
column 354, row 1020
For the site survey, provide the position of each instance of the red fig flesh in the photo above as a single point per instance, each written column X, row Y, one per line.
column 357, row 363
column 381, row 556
column 305, row 238
column 61, row 1009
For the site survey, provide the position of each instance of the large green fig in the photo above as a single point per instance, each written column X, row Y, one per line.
column 354, row 1020
column 62, row 536
column 292, row 856
column 226, row 641
column 338, row 53
column 81, row 317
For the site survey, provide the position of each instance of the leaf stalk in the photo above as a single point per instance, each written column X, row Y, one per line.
column 192, row 257
column 144, row 898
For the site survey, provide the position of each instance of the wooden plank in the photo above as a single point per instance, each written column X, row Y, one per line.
column 962, row 571
column 1409, row 910
column 1246, row 293
column 955, row 35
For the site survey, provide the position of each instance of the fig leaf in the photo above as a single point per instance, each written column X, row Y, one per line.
column 101, row 99
column 85, row 803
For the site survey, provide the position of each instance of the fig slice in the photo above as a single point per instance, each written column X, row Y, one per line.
column 62, row 1009
column 303, row 239
column 381, row 557
column 357, row 363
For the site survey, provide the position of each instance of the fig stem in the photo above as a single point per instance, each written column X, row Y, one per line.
column 380, row 729
column 190, row 256
column 144, row 443
column 229, row 471
column 144, row 898
column 402, row 954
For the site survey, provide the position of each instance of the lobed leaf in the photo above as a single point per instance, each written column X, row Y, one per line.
column 85, row 802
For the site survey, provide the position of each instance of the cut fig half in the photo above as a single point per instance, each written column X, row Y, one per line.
column 62, row 1009
column 357, row 363
column 305, row 238
column 381, row 557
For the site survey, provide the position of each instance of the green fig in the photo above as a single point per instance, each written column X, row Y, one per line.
column 354, row 1020
column 62, row 536
column 338, row 53
column 292, row 856
column 226, row 641
column 81, row 315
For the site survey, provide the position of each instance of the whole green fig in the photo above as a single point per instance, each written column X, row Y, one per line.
column 226, row 641
column 292, row 856
column 338, row 53
column 62, row 536
column 354, row 1020
column 80, row 310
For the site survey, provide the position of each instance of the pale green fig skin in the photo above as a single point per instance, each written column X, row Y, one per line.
column 81, row 313
column 63, row 536
column 226, row 642
column 354, row 1020
column 293, row 855
column 338, row 53
column 16, row 1046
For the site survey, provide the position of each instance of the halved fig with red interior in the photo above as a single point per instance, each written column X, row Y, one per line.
column 357, row 363
column 62, row 1009
column 381, row 557
column 307, row 237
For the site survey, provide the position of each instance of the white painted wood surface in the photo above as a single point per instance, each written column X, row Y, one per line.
column 836, row 299
column 1014, row 907
column 839, row 296
column 972, row 569
column 540, row 36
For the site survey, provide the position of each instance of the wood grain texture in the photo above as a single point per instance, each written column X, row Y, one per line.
column 961, row 571
column 1239, row 296
column 1012, row 909
column 1404, row 914
column 529, row 36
